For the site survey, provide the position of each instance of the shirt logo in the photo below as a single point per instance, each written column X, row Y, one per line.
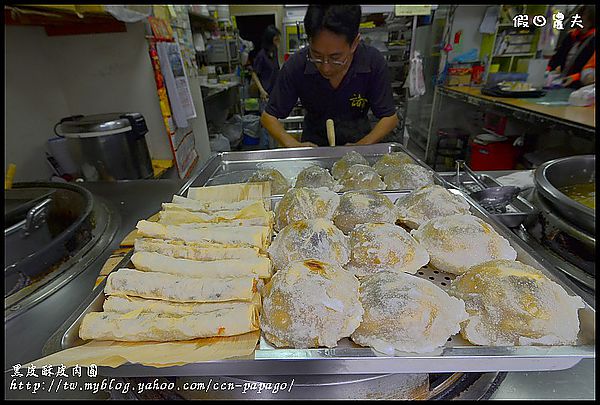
column 357, row 100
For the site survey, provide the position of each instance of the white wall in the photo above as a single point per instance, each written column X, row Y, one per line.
column 467, row 18
column 34, row 101
column 48, row 78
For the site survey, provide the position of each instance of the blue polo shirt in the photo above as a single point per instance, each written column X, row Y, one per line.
column 365, row 86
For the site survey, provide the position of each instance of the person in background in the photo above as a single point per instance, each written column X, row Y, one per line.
column 336, row 77
column 266, row 64
column 588, row 74
column 265, row 69
column 576, row 49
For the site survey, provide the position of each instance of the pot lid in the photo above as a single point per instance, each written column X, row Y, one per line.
column 93, row 125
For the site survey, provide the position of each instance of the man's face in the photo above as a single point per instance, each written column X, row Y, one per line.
column 276, row 41
column 330, row 47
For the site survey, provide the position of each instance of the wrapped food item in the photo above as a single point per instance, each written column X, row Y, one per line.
column 169, row 287
column 349, row 159
column 427, row 203
column 391, row 162
column 305, row 203
column 360, row 207
column 251, row 215
column 309, row 238
column 510, row 303
column 249, row 267
column 406, row 313
column 279, row 184
column 361, row 177
column 457, row 242
column 229, row 193
column 408, row 177
column 126, row 304
column 377, row 247
column 315, row 177
column 166, row 328
column 195, row 251
column 225, row 234
column 310, row 303
column 210, row 207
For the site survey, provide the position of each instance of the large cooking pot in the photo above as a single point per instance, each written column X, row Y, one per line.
column 49, row 232
column 558, row 173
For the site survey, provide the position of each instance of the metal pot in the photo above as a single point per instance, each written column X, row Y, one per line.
column 64, row 223
column 108, row 147
column 558, row 173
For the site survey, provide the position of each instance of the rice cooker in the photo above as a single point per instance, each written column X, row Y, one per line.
column 108, row 147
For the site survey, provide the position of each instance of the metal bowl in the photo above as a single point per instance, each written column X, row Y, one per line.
column 559, row 173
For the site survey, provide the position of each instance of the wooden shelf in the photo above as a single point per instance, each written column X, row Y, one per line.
column 57, row 22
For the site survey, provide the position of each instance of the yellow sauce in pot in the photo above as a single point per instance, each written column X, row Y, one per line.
column 584, row 193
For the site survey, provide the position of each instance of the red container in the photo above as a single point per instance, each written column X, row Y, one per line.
column 493, row 156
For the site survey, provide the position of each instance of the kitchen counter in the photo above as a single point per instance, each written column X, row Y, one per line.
column 135, row 200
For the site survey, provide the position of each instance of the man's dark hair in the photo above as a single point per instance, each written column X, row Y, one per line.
column 589, row 11
column 340, row 19
column 268, row 36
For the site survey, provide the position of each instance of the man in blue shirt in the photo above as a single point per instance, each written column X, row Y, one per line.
column 335, row 77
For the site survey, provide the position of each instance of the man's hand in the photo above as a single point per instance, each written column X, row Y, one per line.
column 297, row 144
column 264, row 96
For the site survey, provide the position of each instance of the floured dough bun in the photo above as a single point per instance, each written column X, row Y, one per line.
column 429, row 202
column 457, row 242
column 408, row 177
column 305, row 203
column 377, row 247
column 361, row 177
column 309, row 238
column 279, row 184
column 349, row 159
column 310, row 304
column 406, row 313
column 511, row 303
column 360, row 207
column 315, row 177
column 391, row 162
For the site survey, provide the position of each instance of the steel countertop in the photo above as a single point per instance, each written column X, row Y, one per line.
column 139, row 199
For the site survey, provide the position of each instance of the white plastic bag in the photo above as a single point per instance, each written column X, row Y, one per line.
column 584, row 96
column 251, row 125
column 129, row 13
column 219, row 143
column 232, row 130
column 416, row 82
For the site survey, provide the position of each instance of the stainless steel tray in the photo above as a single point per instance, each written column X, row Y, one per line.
column 235, row 167
column 457, row 355
column 516, row 212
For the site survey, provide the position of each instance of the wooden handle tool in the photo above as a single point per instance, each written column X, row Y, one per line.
column 330, row 132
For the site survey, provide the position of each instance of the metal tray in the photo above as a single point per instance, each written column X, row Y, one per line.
column 235, row 167
column 457, row 355
column 516, row 212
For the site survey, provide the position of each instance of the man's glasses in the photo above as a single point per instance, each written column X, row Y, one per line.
column 318, row 61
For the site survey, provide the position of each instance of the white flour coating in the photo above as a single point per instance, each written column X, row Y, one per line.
column 315, row 177
column 377, row 247
column 305, row 203
column 429, row 202
column 359, row 207
column 279, row 184
column 408, row 177
column 457, row 242
column 310, row 304
column 361, row 177
column 391, row 162
column 314, row 238
column 510, row 303
column 351, row 158
column 406, row 313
